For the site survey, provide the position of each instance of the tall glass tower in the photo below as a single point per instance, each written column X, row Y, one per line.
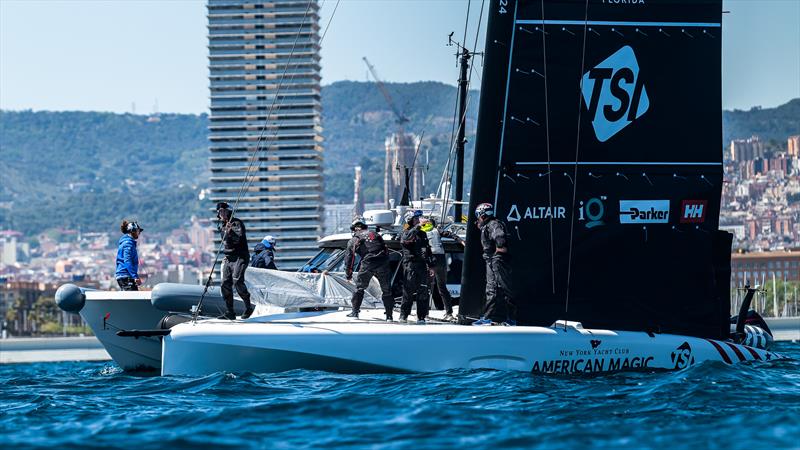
column 264, row 73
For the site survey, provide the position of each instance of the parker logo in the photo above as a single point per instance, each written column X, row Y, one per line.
column 595, row 343
column 643, row 211
column 614, row 93
column 693, row 211
column 536, row 213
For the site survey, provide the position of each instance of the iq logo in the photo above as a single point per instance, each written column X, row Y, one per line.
column 614, row 93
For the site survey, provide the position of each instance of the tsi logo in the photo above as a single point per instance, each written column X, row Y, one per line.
column 614, row 93
column 643, row 211
column 693, row 211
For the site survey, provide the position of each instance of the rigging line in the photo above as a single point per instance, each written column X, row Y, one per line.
column 291, row 78
column 575, row 170
column 248, row 179
column 259, row 163
column 335, row 7
column 478, row 30
column 245, row 183
column 466, row 21
column 416, row 152
column 463, row 120
column 446, row 172
column 549, row 169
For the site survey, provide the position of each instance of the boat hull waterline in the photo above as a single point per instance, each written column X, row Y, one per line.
column 369, row 346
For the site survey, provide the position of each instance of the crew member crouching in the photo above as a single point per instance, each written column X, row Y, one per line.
column 264, row 254
column 370, row 247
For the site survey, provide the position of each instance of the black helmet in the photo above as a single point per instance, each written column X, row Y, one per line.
column 133, row 226
column 358, row 222
column 222, row 205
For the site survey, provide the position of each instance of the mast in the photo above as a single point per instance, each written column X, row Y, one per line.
column 484, row 177
column 460, row 140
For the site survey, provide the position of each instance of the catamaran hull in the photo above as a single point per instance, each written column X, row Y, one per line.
column 108, row 312
column 214, row 346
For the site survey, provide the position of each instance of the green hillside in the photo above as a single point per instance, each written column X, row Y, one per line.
column 87, row 170
column 768, row 123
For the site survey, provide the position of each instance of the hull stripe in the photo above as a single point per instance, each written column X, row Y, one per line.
column 736, row 350
column 752, row 352
column 721, row 351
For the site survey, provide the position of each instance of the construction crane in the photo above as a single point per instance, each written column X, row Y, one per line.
column 400, row 120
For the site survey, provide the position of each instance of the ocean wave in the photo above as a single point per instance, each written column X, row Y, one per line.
column 90, row 405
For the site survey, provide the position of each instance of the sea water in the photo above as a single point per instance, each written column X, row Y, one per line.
column 96, row 405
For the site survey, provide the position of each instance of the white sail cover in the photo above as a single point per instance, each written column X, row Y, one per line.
column 274, row 288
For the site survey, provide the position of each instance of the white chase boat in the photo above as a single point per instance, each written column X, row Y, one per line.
column 599, row 144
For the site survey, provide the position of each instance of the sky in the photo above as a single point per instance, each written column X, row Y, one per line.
column 131, row 55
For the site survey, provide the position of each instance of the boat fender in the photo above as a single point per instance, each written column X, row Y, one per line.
column 170, row 320
column 180, row 298
column 70, row 298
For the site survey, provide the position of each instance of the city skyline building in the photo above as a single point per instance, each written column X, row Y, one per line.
column 401, row 156
column 264, row 75
column 746, row 149
column 793, row 146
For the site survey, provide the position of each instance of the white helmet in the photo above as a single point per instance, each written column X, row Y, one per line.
column 269, row 240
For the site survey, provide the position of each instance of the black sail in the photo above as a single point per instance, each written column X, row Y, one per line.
column 600, row 142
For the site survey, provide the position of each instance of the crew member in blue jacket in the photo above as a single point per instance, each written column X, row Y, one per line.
column 264, row 254
column 127, row 273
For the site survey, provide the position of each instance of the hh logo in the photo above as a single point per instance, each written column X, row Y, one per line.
column 693, row 211
column 614, row 93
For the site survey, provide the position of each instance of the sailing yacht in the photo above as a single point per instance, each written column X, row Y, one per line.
column 599, row 143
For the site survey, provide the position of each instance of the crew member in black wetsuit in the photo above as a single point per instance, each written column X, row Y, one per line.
column 500, row 307
column 417, row 258
column 237, row 257
column 374, row 255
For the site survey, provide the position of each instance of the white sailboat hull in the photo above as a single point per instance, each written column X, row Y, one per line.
column 331, row 342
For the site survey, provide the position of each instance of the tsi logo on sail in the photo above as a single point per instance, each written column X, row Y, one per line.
column 643, row 211
column 614, row 93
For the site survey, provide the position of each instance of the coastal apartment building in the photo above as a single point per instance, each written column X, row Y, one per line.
column 757, row 267
column 264, row 74
column 747, row 149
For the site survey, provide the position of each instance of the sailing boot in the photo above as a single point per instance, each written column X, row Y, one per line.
column 248, row 311
column 449, row 317
column 230, row 315
column 388, row 314
column 483, row 321
column 353, row 314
